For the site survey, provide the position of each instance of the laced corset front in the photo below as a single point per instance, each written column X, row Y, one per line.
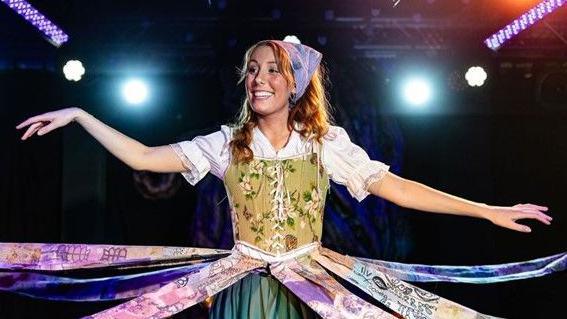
column 277, row 204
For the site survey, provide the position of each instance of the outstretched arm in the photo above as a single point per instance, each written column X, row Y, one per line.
column 414, row 195
column 135, row 154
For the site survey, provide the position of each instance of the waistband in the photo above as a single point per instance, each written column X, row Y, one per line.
column 257, row 253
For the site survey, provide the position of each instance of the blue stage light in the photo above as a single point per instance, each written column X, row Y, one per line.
column 417, row 91
column 135, row 91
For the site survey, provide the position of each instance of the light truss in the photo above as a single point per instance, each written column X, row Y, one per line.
column 53, row 33
column 523, row 22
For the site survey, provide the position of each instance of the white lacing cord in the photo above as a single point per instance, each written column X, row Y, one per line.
column 281, row 191
column 278, row 201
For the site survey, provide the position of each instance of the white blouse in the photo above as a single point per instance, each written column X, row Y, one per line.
column 345, row 162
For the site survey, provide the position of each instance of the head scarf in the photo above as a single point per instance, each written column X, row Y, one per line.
column 304, row 62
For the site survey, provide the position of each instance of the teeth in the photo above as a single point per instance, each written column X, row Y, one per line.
column 262, row 94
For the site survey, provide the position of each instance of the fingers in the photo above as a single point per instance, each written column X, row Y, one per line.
column 535, row 212
column 46, row 129
column 532, row 206
column 534, row 209
column 24, row 123
column 520, row 228
column 31, row 130
column 541, row 217
column 525, row 211
column 37, row 124
column 523, row 228
column 34, row 119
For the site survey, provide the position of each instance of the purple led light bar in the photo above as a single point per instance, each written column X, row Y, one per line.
column 526, row 20
column 53, row 33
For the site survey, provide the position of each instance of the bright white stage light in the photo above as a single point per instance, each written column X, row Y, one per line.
column 292, row 39
column 417, row 91
column 73, row 70
column 135, row 91
column 476, row 76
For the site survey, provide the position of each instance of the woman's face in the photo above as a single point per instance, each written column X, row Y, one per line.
column 267, row 89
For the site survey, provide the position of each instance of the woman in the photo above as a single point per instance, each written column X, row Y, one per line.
column 276, row 163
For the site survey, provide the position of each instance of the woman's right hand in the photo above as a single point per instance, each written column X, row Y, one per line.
column 47, row 122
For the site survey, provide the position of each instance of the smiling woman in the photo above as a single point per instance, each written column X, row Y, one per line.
column 273, row 86
column 276, row 164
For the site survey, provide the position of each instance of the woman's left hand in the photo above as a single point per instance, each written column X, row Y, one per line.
column 508, row 216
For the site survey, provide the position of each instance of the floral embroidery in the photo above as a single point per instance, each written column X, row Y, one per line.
column 291, row 208
column 288, row 212
column 290, row 242
column 315, row 161
column 257, row 226
column 256, row 168
column 312, row 203
column 247, row 214
column 244, row 183
column 255, row 171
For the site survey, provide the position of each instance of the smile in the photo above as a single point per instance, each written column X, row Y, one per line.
column 262, row 95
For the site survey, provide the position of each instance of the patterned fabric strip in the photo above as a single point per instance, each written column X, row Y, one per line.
column 185, row 291
column 471, row 274
column 162, row 293
column 409, row 301
column 323, row 293
column 32, row 256
column 95, row 289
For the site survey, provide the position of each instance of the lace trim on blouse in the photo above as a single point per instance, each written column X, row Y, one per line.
column 197, row 166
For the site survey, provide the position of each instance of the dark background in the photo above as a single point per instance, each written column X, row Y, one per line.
column 503, row 143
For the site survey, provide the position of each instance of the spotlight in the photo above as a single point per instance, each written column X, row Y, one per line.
column 417, row 91
column 135, row 91
column 475, row 76
column 73, row 70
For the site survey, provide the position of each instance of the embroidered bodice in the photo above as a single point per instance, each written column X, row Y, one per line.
column 277, row 204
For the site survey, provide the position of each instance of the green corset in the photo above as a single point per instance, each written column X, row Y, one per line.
column 277, row 204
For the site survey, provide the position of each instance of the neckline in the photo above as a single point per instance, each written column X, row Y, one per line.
column 266, row 141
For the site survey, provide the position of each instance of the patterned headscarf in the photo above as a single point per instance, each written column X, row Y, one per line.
column 304, row 62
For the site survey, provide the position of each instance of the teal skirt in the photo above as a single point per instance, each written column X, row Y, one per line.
column 259, row 297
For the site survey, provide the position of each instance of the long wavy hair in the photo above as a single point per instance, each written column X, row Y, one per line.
column 312, row 110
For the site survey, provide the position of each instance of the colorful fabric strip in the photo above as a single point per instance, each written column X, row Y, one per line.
column 162, row 293
column 323, row 293
column 185, row 291
column 471, row 274
column 409, row 301
column 98, row 289
column 32, row 256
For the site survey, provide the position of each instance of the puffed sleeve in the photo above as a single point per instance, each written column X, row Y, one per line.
column 348, row 164
column 203, row 154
